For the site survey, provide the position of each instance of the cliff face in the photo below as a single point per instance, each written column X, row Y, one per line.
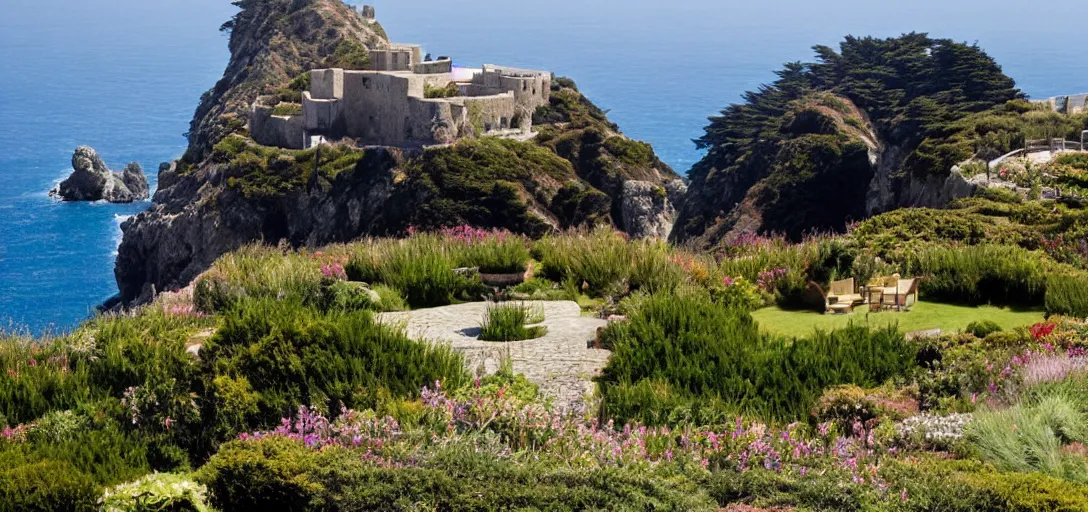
column 272, row 41
column 228, row 191
column 871, row 127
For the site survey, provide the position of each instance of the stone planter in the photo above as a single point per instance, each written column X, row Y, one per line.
column 504, row 279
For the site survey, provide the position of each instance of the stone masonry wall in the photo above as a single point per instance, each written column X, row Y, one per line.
column 280, row 131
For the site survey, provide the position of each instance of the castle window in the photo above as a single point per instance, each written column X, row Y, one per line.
column 504, row 123
column 524, row 86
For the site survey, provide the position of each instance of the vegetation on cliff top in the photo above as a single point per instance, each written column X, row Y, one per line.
column 772, row 148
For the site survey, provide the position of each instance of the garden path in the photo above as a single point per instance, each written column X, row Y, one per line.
column 559, row 362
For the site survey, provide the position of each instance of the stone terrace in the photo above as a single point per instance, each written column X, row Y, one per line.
column 559, row 362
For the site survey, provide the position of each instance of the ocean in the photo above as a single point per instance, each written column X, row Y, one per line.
column 124, row 76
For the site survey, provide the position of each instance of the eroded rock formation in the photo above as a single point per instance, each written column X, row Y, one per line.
column 91, row 180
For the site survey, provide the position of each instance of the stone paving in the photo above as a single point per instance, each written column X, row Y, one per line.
column 559, row 362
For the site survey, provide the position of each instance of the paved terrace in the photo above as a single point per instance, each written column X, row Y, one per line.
column 558, row 362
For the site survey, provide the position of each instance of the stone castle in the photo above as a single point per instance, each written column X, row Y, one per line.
column 406, row 100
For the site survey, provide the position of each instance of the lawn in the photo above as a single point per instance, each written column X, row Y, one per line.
column 922, row 316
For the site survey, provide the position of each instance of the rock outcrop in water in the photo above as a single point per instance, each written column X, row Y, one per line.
column 91, row 180
column 227, row 191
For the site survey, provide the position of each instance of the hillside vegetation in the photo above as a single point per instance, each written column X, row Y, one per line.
column 271, row 385
column 858, row 131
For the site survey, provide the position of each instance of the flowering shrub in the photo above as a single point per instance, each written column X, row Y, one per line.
column 1041, row 330
column 770, row 279
column 154, row 493
column 932, row 432
column 333, row 272
column 737, row 293
column 528, row 430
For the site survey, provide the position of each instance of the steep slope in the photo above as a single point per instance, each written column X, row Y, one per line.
column 789, row 159
column 228, row 191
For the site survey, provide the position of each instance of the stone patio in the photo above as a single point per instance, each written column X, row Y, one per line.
column 559, row 362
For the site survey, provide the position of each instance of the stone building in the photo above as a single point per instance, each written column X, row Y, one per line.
column 388, row 105
column 1072, row 104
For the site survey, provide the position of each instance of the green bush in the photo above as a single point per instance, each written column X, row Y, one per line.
column 600, row 260
column 702, row 350
column 984, row 274
column 508, row 322
column 279, row 474
column 46, row 486
column 391, row 298
column 451, row 90
column 348, row 296
column 420, row 268
column 983, row 328
column 287, row 109
column 253, row 476
column 1067, row 294
column 497, row 254
column 293, row 355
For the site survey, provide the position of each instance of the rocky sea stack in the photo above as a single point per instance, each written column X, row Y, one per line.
column 91, row 180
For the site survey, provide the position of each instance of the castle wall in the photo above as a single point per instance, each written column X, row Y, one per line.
column 327, row 83
column 375, row 106
column 433, row 67
column 280, row 131
column 491, row 114
column 321, row 115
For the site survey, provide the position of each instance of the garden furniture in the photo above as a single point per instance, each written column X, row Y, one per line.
column 840, row 293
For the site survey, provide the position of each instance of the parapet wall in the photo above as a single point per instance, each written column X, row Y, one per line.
column 280, row 131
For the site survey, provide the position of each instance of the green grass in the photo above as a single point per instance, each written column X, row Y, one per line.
column 922, row 316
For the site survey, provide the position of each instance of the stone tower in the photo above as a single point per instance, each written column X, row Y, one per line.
column 367, row 12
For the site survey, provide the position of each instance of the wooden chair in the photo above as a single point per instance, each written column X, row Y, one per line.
column 900, row 296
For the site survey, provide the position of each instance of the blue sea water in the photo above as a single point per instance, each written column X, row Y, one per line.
column 124, row 76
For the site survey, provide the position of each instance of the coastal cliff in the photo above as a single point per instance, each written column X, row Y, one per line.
column 228, row 191
column 877, row 125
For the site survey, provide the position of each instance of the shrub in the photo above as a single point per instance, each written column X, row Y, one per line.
column 451, row 90
column 347, row 296
column 391, row 299
column 420, row 268
column 1029, row 437
column 493, row 252
column 737, row 293
column 293, row 355
column 703, row 350
column 46, row 486
column 1000, row 275
column 1067, row 294
column 600, row 260
column 154, row 493
column 507, row 322
column 269, row 474
column 278, row 474
column 983, row 328
column 287, row 109
column 258, row 271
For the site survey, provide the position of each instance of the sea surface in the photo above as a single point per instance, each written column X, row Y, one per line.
column 124, row 76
